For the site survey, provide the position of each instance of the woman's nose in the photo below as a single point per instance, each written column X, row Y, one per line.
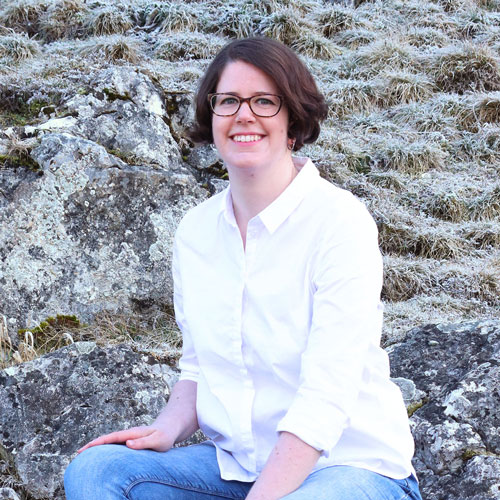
column 245, row 113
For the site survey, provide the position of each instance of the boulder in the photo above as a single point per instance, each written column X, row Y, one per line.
column 125, row 112
column 456, row 369
column 87, row 232
column 53, row 405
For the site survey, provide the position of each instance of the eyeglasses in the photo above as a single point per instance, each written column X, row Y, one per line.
column 263, row 105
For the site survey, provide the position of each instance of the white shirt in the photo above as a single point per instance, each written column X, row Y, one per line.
column 284, row 334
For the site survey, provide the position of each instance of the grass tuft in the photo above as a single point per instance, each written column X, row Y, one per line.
column 334, row 19
column 348, row 96
column 448, row 206
column 487, row 206
column 108, row 21
column 188, row 46
column 355, row 38
column 412, row 158
column 405, row 87
column 285, row 25
column 311, row 44
column 488, row 108
column 24, row 16
column 16, row 47
column 427, row 37
column 63, row 19
column 404, row 279
column 465, row 68
column 113, row 48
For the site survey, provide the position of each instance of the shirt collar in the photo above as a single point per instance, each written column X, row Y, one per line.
column 279, row 210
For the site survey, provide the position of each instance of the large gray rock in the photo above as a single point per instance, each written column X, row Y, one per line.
column 87, row 233
column 456, row 369
column 124, row 111
column 53, row 405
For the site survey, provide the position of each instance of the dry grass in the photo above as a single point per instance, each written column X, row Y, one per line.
column 63, row 19
column 473, row 23
column 235, row 21
column 285, row 25
column 348, row 96
column 383, row 55
column 413, row 158
column 482, row 236
column 113, row 48
column 312, row 44
column 336, row 18
column 488, row 108
column 155, row 331
column 427, row 37
column 404, row 279
column 466, row 67
column 448, row 206
column 24, row 16
column 404, row 87
column 188, row 46
column 16, row 47
column 108, row 21
column 487, row 206
column 354, row 38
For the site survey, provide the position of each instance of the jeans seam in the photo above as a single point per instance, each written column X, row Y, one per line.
column 137, row 481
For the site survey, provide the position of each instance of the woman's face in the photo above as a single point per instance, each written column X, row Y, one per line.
column 245, row 140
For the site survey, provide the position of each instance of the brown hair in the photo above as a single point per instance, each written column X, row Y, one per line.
column 306, row 106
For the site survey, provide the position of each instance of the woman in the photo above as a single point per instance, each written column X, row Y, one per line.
column 277, row 293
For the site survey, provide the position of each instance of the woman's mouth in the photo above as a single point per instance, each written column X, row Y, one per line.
column 247, row 138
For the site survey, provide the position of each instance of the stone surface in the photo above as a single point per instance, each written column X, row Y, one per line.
column 87, row 233
column 54, row 404
column 456, row 368
column 124, row 111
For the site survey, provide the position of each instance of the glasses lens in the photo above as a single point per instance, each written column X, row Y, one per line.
column 265, row 105
column 225, row 104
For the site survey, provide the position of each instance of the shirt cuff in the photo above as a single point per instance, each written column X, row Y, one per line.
column 318, row 424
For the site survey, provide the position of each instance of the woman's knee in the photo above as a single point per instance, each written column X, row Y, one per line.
column 94, row 469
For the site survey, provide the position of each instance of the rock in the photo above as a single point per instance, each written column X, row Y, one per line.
column 456, row 368
column 124, row 111
column 8, row 494
column 87, row 232
column 56, row 403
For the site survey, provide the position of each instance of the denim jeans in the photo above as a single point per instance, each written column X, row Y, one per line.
column 115, row 472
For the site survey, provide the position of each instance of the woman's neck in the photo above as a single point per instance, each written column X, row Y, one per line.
column 252, row 190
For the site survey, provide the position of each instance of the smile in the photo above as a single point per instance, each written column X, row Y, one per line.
column 247, row 138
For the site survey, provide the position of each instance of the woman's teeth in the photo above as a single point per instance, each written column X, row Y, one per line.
column 246, row 138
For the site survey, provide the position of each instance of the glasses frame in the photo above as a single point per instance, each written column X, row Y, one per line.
column 242, row 100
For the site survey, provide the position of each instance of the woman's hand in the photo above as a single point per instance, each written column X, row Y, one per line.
column 137, row 438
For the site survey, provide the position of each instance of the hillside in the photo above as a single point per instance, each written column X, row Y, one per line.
column 413, row 130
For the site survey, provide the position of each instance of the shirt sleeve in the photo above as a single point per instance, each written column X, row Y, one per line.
column 188, row 363
column 346, row 322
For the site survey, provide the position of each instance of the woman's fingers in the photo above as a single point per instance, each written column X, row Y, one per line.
column 157, row 441
column 119, row 437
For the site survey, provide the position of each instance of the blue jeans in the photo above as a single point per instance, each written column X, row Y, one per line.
column 115, row 472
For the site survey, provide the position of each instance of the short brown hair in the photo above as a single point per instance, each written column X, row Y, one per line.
column 306, row 105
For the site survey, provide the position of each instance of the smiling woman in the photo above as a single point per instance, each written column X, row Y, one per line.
column 277, row 293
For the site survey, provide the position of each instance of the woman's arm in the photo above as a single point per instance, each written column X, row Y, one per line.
column 176, row 422
column 290, row 462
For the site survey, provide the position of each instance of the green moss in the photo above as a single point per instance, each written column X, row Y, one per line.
column 47, row 335
column 128, row 158
column 412, row 408
column 19, row 161
column 114, row 96
column 51, row 323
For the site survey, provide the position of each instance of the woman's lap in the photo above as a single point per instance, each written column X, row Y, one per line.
column 115, row 472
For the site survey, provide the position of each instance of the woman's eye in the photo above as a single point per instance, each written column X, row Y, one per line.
column 264, row 101
column 228, row 101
